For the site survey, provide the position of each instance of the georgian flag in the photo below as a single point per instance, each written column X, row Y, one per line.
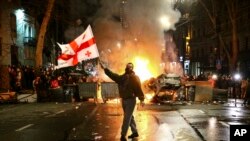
column 80, row 49
column 66, row 49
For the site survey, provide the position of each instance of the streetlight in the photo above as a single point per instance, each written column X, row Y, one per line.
column 165, row 22
column 214, row 77
column 237, row 77
column 19, row 14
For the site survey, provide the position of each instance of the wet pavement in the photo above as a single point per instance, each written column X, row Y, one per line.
column 153, row 125
column 177, row 121
column 212, row 121
column 87, row 121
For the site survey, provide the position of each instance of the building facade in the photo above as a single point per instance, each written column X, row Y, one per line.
column 200, row 40
column 17, row 38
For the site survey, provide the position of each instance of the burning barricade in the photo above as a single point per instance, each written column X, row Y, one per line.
column 166, row 87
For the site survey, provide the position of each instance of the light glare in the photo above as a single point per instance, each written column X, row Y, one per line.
column 164, row 20
column 19, row 13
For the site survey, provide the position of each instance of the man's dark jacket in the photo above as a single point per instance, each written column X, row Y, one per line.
column 129, row 85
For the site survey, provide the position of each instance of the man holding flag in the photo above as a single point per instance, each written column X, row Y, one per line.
column 129, row 86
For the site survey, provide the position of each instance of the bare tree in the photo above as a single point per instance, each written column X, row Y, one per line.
column 232, row 10
column 232, row 7
column 42, row 32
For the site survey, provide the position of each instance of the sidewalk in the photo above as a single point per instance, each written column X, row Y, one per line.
column 14, row 97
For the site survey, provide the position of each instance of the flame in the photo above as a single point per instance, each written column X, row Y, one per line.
column 143, row 68
column 149, row 97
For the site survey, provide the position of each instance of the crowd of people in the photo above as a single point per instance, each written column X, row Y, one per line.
column 24, row 77
column 239, row 88
column 21, row 77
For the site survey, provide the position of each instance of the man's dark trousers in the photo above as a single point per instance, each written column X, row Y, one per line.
column 128, row 106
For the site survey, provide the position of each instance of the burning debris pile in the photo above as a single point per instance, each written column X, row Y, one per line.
column 164, row 87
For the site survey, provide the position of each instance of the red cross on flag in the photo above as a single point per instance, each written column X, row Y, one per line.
column 80, row 49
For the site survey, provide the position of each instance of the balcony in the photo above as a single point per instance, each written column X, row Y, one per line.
column 29, row 41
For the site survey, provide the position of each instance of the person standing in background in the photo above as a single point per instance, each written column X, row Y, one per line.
column 247, row 96
column 244, row 83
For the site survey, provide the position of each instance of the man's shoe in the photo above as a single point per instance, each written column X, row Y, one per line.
column 123, row 138
column 133, row 135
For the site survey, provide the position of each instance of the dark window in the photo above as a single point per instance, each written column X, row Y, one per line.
column 25, row 30
column 0, row 18
column 246, row 47
column 29, row 32
column 248, row 14
column 13, row 25
column 1, row 47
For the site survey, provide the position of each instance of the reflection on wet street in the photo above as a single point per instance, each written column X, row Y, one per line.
column 192, row 122
column 212, row 122
column 102, row 122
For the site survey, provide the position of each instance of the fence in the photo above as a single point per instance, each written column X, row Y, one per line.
column 88, row 90
column 109, row 90
column 203, row 91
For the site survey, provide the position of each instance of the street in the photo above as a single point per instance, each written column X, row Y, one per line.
column 90, row 121
column 41, row 121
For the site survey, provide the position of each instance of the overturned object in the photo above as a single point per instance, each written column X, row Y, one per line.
column 165, row 87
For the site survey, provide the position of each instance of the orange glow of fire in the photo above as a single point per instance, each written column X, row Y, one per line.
column 143, row 68
column 148, row 97
column 114, row 101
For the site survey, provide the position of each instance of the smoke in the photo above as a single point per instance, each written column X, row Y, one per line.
column 129, row 28
column 126, row 29
column 170, row 56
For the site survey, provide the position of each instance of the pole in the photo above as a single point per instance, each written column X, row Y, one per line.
column 235, row 93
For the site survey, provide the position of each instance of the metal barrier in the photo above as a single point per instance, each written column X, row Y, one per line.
column 87, row 90
column 109, row 90
column 56, row 94
column 220, row 95
column 203, row 91
column 71, row 92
